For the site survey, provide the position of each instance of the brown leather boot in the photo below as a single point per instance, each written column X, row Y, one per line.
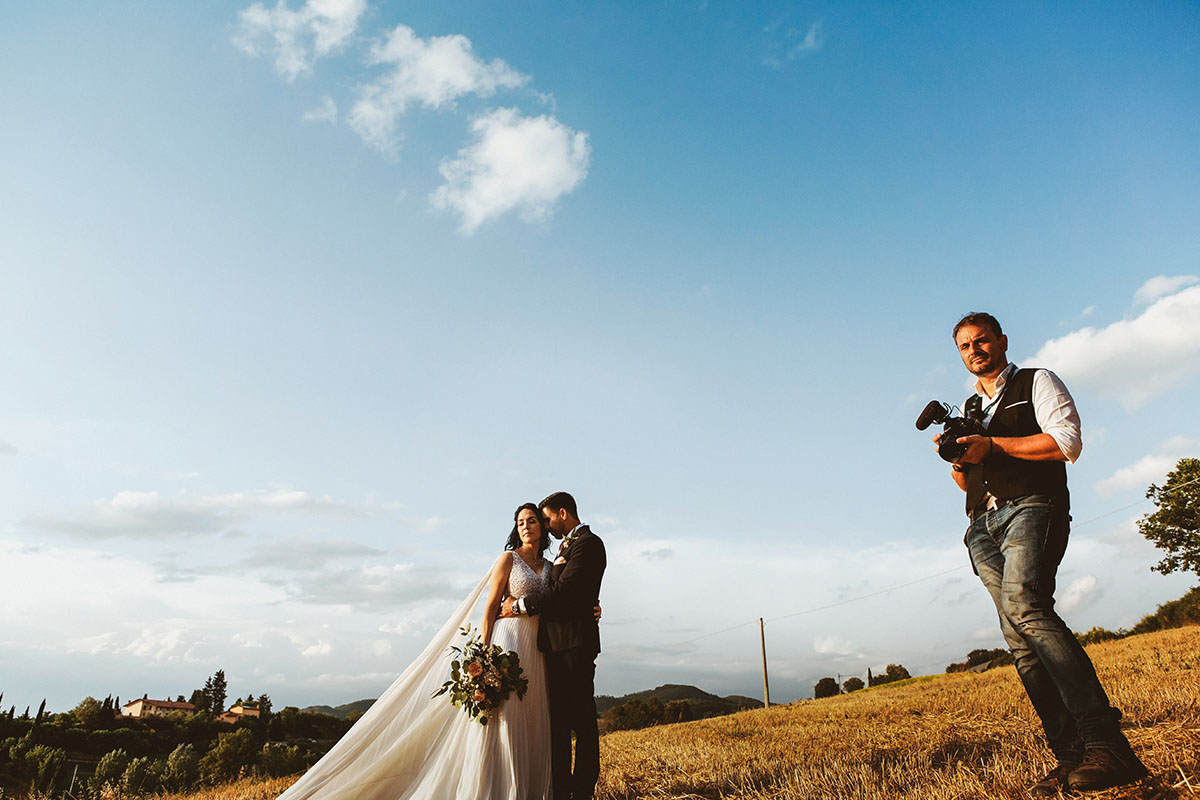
column 1104, row 767
column 1055, row 780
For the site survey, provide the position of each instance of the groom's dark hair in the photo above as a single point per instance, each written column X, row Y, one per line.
column 557, row 501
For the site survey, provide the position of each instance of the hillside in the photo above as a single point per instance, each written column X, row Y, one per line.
column 703, row 704
column 344, row 710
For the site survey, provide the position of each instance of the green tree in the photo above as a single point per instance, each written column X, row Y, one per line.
column 852, row 684
column 1175, row 526
column 264, row 707
column 997, row 656
column 826, row 687
column 110, row 769
column 279, row 759
column 215, row 689
column 1098, row 634
column 89, row 712
column 233, row 753
column 200, row 700
column 182, row 769
column 141, row 776
column 677, row 711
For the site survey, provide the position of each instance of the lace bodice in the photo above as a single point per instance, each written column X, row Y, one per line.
column 523, row 581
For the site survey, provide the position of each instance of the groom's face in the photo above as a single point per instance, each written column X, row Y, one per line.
column 556, row 521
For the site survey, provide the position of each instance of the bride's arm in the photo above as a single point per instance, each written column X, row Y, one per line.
column 497, row 583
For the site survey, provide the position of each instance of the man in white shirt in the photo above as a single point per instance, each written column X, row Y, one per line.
column 1015, row 480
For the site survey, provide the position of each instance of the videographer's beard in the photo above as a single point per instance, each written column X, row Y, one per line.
column 981, row 369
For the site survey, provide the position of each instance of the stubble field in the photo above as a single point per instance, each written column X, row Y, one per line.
column 951, row 737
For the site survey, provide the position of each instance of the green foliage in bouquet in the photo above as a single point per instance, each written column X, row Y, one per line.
column 481, row 677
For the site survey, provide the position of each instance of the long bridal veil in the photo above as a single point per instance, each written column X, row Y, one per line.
column 408, row 745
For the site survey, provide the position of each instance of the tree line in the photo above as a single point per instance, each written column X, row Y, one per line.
column 828, row 687
column 93, row 749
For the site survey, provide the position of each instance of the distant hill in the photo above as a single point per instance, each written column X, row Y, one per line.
column 342, row 711
column 703, row 704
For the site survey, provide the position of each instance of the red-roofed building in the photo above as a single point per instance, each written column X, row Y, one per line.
column 146, row 707
column 237, row 712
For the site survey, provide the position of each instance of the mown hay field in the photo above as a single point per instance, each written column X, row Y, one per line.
column 954, row 736
column 950, row 737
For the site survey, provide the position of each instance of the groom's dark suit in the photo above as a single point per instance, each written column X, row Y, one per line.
column 570, row 637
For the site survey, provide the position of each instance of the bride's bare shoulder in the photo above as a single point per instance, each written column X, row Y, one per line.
column 503, row 563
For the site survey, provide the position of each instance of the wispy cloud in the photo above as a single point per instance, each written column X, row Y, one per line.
column 834, row 645
column 296, row 39
column 793, row 43
column 7, row 449
column 1160, row 286
column 1080, row 593
column 326, row 112
column 1151, row 468
column 1134, row 359
column 431, row 72
column 136, row 515
column 515, row 163
column 371, row 588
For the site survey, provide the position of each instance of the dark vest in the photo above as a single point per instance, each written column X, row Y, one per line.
column 1004, row 476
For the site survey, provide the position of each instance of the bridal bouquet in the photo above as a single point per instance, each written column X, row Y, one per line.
column 482, row 677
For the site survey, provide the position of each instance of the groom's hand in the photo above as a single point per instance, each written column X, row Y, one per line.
column 506, row 608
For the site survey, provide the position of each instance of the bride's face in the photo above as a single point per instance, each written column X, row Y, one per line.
column 529, row 528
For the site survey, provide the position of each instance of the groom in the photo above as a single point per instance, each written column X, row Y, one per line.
column 569, row 635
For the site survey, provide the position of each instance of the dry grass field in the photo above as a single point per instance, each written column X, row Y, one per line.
column 951, row 737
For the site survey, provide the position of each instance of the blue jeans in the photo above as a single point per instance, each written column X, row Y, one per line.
column 1015, row 550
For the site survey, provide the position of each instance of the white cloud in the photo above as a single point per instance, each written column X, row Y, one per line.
column 794, row 43
column 1152, row 468
column 515, row 163
column 833, row 645
column 7, row 449
column 297, row 38
column 136, row 514
column 812, row 41
column 371, row 587
column 1160, row 286
column 321, row 648
column 1135, row 359
column 430, row 72
column 326, row 112
column 1079, row 593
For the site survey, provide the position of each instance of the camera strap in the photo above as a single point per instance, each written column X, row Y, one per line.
column 985, row 410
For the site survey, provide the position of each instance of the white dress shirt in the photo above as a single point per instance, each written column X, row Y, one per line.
column 1053, row 407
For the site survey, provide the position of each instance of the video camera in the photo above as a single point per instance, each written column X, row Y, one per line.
column 939, row 413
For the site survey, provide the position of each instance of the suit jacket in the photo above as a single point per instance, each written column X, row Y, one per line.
column 566, row 607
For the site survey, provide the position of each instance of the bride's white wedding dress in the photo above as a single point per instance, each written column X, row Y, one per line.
column 411, row 745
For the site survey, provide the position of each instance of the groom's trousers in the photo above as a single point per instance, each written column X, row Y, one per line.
column 571, row 675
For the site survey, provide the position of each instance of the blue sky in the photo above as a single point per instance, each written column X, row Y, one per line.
column 302, row 300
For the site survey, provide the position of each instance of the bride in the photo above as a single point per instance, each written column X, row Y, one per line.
column 411, row 745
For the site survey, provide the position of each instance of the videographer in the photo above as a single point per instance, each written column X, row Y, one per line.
column 1015, row 479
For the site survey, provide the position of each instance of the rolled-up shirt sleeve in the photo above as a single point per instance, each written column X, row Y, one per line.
column 1056, row 414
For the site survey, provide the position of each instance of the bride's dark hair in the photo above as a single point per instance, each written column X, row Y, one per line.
column 514, row 538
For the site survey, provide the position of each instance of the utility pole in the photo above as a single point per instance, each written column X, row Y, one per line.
column 762, row 637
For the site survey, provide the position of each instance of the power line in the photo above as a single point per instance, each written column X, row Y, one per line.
column 918, row 580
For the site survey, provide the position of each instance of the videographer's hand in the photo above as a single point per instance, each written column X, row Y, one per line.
column 978, row 448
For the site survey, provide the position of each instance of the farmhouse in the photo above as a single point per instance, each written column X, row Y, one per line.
column 146, row 707
column 237, row 712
